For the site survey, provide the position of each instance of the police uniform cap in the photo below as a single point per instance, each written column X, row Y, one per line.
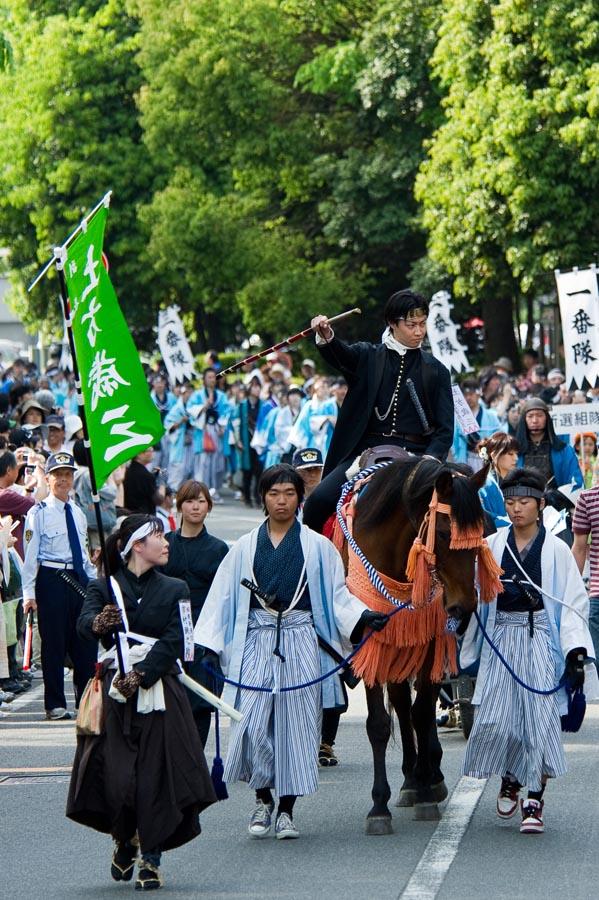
column 55, row 421
column 60, row 460
column 306, row 459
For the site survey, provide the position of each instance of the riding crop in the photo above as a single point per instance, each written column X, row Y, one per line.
column 289, row 340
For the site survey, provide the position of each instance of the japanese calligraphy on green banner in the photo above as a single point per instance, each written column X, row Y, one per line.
column 122, row 419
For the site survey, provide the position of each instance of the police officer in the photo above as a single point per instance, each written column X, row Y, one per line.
column 55, row 540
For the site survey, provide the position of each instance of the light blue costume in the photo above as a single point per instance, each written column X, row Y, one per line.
column 180, row 451
column 222, row 625
column 492, row 501
column 222, row 408
column 489, row 424
column 568, row 624
column 307, row 431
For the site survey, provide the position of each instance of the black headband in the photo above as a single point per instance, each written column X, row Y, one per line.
column 522, row 490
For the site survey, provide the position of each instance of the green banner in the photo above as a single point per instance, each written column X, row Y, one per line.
column 122, row 419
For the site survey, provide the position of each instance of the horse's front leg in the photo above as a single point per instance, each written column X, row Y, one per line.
column 430, row 784
column 378, row 729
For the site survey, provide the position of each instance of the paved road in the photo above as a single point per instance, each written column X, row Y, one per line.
column 469, row 855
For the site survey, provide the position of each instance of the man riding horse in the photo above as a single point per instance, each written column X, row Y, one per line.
column 398, row 395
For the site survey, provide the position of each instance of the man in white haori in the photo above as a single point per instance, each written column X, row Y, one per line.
column 540, row 626
column 271, row 642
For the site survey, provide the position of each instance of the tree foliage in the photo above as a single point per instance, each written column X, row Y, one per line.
column 271, row 159
column 69, row 133
column 509, row 189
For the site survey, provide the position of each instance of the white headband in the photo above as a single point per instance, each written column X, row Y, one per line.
column 142, row 532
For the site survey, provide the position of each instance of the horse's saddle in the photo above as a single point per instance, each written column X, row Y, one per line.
column 383, row 453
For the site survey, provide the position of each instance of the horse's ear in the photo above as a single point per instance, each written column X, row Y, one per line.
column 444, row 484
column 479, row 478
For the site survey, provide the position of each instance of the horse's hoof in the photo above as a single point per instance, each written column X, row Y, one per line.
column 426, row 812
column 407, row 797
column 440, row 792
column 379, row 825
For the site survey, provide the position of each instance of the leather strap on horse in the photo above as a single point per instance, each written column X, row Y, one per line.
column 421, row 558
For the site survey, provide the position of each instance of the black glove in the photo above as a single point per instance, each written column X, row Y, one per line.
column 211, row 660
column 463, row 626
column 368, row 619
column 574, row 670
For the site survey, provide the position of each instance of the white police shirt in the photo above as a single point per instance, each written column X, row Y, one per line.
column 47, row 540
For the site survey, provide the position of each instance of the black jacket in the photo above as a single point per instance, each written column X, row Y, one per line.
column 156, row 616
column 362, row 365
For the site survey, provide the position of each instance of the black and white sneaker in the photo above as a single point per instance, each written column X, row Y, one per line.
column 261, row 819
column 285, row 827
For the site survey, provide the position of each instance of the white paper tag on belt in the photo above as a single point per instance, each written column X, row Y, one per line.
column 187, row 625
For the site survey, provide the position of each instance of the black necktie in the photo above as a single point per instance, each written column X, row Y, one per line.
column 75, row 544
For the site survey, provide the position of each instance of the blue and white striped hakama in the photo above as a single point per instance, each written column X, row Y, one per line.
column 276, row 743
column 515, row 730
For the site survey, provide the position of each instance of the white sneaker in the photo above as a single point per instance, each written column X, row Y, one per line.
column 57, row 714
column 284, row 827
column 261, row 819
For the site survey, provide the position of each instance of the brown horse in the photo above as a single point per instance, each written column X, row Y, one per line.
column 387, row 520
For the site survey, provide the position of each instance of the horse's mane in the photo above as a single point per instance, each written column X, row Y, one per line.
column 392, row 487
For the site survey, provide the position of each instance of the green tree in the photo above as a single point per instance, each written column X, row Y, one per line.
column 510, row 186
column 70, row 132
column 297, row 128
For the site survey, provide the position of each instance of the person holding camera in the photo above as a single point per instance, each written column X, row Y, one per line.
column 143, row 487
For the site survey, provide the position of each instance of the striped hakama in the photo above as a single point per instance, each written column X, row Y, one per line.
column 276, row 743
column 515, row 730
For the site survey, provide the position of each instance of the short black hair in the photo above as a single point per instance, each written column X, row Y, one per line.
column 80, row 453
column 282, row 473
column 7, row 461
column 524, row 478
column 401, row 303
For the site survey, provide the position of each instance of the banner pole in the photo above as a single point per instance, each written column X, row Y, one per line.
column 105, row 201
column 60, row 255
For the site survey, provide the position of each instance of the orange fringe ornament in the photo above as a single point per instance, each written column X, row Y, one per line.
column 399, row 650
column 418, row 571
column 489, row 571
column 465, row 539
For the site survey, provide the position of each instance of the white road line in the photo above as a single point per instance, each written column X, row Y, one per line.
column 441, row 850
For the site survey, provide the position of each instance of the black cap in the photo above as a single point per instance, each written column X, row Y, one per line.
column 306, row 459
column 60, row 460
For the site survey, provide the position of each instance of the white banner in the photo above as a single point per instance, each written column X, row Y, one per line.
column 443, row 334
column 579, row 309
column 574, row 418
column 463, row 413
column 174, row 347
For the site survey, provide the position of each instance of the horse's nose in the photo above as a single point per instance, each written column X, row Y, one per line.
column 457, row 611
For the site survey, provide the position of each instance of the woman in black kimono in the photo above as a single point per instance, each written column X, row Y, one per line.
column 144, row 780
column 194, row 556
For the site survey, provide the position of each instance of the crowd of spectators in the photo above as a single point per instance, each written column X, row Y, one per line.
column 224, row 432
